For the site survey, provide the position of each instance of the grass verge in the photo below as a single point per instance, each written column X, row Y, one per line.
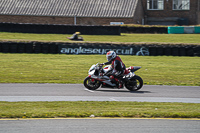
column 98, row 109
column 150, row 38
column 57, row 68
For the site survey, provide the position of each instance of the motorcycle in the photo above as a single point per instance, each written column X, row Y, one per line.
column 99, row 76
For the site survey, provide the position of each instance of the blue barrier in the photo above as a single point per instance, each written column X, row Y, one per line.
column 197, row 29
column 183, row 30
column 175, row 30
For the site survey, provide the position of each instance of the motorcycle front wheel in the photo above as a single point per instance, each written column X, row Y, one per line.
column 134, row 83
column 91, row 84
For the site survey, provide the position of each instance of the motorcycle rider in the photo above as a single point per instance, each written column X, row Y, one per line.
column 76, row 37
column 118, row 67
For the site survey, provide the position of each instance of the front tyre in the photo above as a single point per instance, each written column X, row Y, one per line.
column 91, row 84
column 134, row 84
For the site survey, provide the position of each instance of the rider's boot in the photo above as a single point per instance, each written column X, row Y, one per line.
column 120, row 83
column 116, row 81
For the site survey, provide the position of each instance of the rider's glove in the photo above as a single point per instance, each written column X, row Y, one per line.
column 101, row 64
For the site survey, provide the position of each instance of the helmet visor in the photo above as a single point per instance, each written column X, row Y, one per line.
column 108, row 57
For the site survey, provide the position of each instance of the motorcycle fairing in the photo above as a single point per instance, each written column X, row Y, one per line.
column 104, row 79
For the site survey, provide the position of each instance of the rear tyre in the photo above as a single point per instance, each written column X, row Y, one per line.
column 134, row 83
column 91, row 84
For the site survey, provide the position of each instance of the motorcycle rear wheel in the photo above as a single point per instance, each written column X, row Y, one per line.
column 91, row 84
column 134, row 83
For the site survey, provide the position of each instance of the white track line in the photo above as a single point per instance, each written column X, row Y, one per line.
column 113, row 99
column 89, row 90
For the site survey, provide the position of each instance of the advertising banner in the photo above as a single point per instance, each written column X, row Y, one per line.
column 102, row 49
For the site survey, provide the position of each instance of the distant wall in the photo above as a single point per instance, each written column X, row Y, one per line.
column 100, row 48
column 66, row 20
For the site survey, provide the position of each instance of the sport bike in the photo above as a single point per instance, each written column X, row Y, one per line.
column 99, row 76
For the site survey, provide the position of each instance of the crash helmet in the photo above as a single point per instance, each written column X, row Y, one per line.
column 111, row 55
column 78, row 33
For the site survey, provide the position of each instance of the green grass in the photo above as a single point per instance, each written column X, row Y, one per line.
column 61, row 68
column 98, row 109
column 158, row 38
column 48, row 68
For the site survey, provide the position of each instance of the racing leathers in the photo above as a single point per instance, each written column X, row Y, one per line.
column 118, row 68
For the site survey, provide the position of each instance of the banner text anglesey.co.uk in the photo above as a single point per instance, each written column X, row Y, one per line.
column 81, row 50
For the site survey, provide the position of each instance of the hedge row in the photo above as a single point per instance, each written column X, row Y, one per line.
column 160, row 30
column 52, row 48
column 59, row 29
column 70, row 29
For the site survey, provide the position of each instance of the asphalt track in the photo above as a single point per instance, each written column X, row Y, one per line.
column 99, row 126
column 77, row 92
